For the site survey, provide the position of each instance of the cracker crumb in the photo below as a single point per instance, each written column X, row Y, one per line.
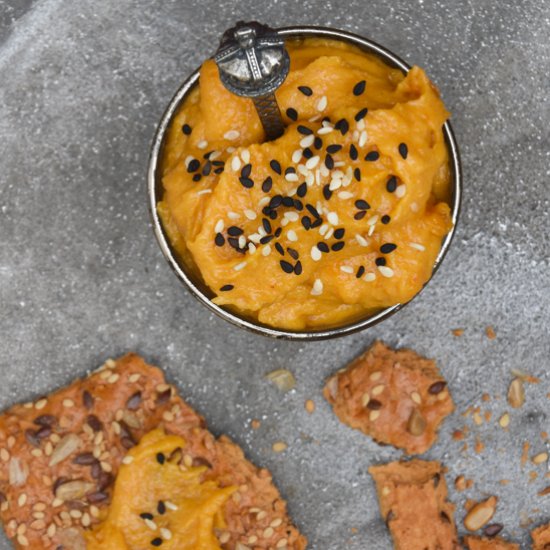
column 480, row 446
column 310, row 406
column 525, row 453
column 490, row 332
column 255, row 424
column 279, row 446
column 458, row 332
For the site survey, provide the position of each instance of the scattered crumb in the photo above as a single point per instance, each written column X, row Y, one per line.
column 541, row 458
column 504, row 420
column 461, row 483
column 255, row 424
column 488, row 415
column 504, row 481
column 490, row 332
column 459, row 435
column 354, row 530
column 544, row 492
column 486, row 397
column 532, row 476
column 310, row 406
column 279, row 446
column 464, row 448
column 544, row 435
column 480, row 446
column 525, row 377
column 469, row 504
column 516, row 393
column 478, row 421
column 457, row 332
column 525, row 453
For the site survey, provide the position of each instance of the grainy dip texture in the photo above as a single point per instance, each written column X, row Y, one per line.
column 60, row 454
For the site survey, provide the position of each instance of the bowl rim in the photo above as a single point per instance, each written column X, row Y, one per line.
column 154, row 189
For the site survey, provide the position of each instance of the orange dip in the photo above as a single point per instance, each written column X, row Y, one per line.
column 341, row 216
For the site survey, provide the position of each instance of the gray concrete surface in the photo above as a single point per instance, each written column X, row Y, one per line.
column 82, row 86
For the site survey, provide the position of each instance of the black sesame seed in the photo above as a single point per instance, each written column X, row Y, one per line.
column 372, row 156
column 323, row 247
column 193, row 165
column 353, row 153
column 304, row 130
column 385, row 219
column 338, row 246
column 403, row 150
column 298, row 205
column 156, row 541
column 276, row 201
column 235, row 231
column 357, row 174
column 307, row 152
column 294, row 254
column 306, row 90
column 224, row 288
column 362, row 204
column 298, row 268
column 186, row 129
column 288, row 201
column 197, row 177
column 334, row 148
column 302, row 190
column 246, row 182
column 339, row 233
column 273, row 215
column 386, row 248
column 161, row 507
column 266, row 225
column 329, row 162
column 219, row 239
column 278, row 232
column 359, row 88
column 218, row 163
column 161, row 458
column 317, row 143
column 380, row 261
column 146, row 515
column 327, row 193
column 292, row 114
column 312, row 210
column 360, row 272
column 280, row 249
column 276, row 166
column 206, row 156
column 343, row 126
column 361, row 114
column 233, row 242
column 317, row 223
column 207, row 168
column 290, row 170
column 267, row 184
column 391, row 184
column 266, row 210
column 360, row 215
column 246, row 170
column 306, row 222
column 286, row 266
column 266, row 239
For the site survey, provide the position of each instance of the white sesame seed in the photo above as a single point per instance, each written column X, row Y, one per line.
column 386, row 271
column 242, row 241
column 417, row 246
column 317, row 287
column 363, row 138
column 252, row 248
column 235, row 163
column 346, row 268
column 369, row 277
column 263, row 201
column 324, row 171
column 170, row 505
column 372, row 220
column 232, row 135
column 165, row 533
column 332, row 218
column 310, row 179
column 302, row 169
column 325, row 130
column 214, row 155
column 127, row 459
column 250, row 214
column 318, row 176
column 361, row 124
column 414, row 207
column 202, row 144
column 245, row 155
column 262, row 231
column 361, row 240
column 312, row 162
column 355, row 135
column 292, row 192
column 345, row 195
column 296, row 156
column 322, row 104
column 335, row 184
column 187, row 160
column 371, row 230
column 240, row 266
column 151, row 524
column 291, row 235
column 219, row 226
column 400, row 191
column 254, row 237
column 323, row 229
column 329, row 234
column 230, row 150
column 291, row 176
column 314, row 118
column 292, row 216
column 284, row 222
column 315, row 254
column 266, row 250
column 204, row 192
column 339, row 163
column 233, row 215
column 307, row 141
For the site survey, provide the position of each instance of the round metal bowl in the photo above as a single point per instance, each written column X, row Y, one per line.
column 194, row 283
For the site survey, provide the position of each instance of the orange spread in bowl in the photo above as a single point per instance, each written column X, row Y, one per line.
column 340, row 217
column 157, row 503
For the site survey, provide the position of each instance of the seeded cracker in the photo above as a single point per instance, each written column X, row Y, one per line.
column 59, row 457
column 541, row 537
column 496, row 543
column 396, row 397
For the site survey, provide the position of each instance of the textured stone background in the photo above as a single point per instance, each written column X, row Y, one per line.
column 83, row 85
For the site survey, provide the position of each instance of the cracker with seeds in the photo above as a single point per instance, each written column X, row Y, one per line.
column 485, row 543
column 541, row 537
column 59, row 457
column 396, row 397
